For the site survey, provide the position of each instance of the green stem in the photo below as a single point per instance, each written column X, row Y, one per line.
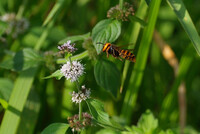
column 77, row 84
column 44, row 35
column 121, row 3
column 80, row 111
column 141, row 60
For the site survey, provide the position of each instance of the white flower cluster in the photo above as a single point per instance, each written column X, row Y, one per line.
column 69, row 47
column 72, row 71
column 81, row 95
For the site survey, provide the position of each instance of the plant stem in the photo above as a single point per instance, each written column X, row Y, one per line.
column 80, row 111
column 77, row 84
column 137, row 75
column 121, row 3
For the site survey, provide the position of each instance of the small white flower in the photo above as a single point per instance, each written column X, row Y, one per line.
column 72, row 72
column 81, row 95
column 69, row 47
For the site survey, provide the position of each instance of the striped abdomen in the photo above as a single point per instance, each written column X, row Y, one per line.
column 126, row 54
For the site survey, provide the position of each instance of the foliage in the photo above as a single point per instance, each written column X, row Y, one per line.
column 36, row 98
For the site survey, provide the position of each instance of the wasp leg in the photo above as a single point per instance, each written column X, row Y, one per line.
column 107, row 54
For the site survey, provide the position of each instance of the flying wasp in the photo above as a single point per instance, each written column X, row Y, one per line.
column 117, row 52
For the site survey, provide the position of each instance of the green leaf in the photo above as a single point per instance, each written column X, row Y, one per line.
column 169, row 131
column 147, row 122
column 100, row 116
column 133, row 130
column 107, row 76
column 17, row 101
column 6, row 87
column 108, row 131
column 56, row 128
column 107, row 30
column 30, row 114
column 148, row 2
column 57, row 74
column 22, row 60
column 3, row 27
column 75, row 38
column 184, row 18
column 141, row 59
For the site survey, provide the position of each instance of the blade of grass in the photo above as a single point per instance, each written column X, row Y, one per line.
column 184, row 18
column 30, row 114
column 141, row 12
column 21, row 9
column 53, row 12
column 44, row 36
column 136, row 77
column 17, row 101
column 169, row 102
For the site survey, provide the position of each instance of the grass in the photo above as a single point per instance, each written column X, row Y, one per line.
column 36, row 105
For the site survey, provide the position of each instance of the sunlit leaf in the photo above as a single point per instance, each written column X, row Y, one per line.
column 147, row 122
column 56, row 128
column 17, row 101
column 57, row 74
column 107, row 30
column 30, row 114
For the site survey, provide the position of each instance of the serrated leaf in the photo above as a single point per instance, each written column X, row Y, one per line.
column 56, row 128
column 22, row 60
column 75, row 38
column 169, row 131
column 107, row 30
column 100, row 116
column 107, row 76
column 147, row 122
column 57, row 74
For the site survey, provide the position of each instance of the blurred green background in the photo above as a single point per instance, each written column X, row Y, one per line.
column 49, row 100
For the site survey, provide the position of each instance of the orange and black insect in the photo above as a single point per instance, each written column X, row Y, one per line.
column 117, row 52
